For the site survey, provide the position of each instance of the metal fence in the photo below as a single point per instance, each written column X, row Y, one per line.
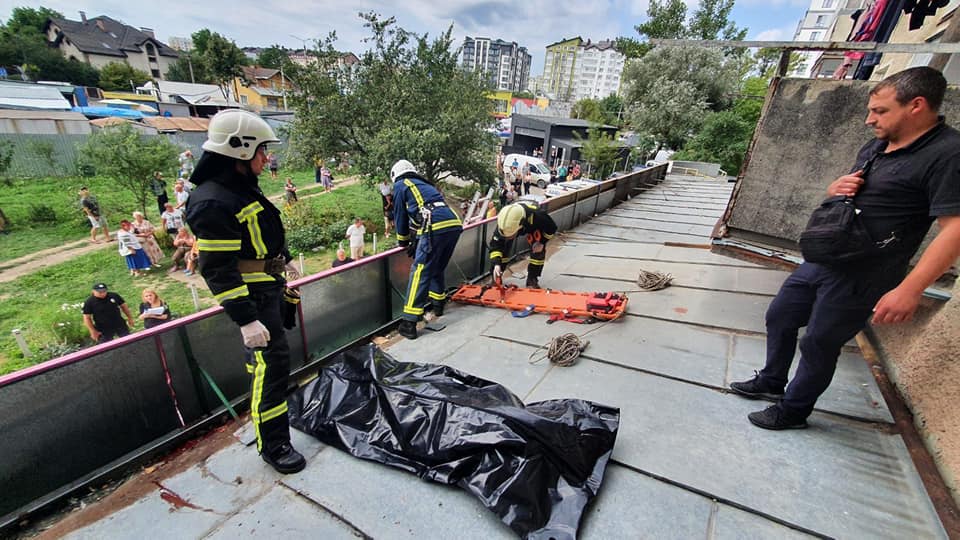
column 70, row 420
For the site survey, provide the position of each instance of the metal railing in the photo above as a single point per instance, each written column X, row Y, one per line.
column 71, row 420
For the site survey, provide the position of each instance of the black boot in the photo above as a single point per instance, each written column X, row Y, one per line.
column 438, row 308
column 533, row 282
column 285, row 459
column 408, row 329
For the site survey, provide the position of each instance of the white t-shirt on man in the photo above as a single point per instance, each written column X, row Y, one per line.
column 172, row 220
column 356, row 234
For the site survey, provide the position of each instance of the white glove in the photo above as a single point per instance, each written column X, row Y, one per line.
column 293, row 272
column 537, row 247
column 497, row 272
column 255, row 334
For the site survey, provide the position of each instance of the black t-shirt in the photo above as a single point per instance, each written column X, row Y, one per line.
column 150, row 322
column 905, row 190
column 90, row 203
column 338, row 262
column 105, row 311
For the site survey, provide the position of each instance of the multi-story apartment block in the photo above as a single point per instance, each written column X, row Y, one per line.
column 505, row 64
column 597, row 71
column 815, row 26
column 558, row 69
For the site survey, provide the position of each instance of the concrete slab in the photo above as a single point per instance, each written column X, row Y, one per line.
column 598, row 230
column 853, row 392
column 653, row 252
column 388, row 503
column 281, row 513
column 665, row 226
column 464, row 324
column 653, row 216
column 648, row 206
column 733, row 524
column 673, row 206
column 838, row 478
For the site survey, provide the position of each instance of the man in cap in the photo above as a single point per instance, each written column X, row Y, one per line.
column 524, row 217
column 101, row 315
column 243, row 256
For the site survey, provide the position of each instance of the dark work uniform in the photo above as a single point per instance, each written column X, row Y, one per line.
column 538, row 226
column 233, row 220
column 150, row 322
column 903, row 192
column 421, row 215
column 159, row 188
column 107, row 318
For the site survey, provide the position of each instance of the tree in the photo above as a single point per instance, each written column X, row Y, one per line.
column 119, row 76
column 23, row 46
column 599, row 150
column 189, row 67
column 273, row 57
column 222, row 59
column 129, row 158
column 711, row 21
column 766, row 61
column 612, row 106
column 724, row 139
column 24, row 19
column 408, row 98
column 524, row 95
column 667, row 19
column 588, row 109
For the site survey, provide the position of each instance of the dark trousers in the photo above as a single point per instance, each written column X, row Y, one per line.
column 426, row 282
column 833, row 306
column 270, row 367
column 161, row 201
column 108, row 334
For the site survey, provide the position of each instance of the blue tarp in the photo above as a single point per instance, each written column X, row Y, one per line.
column 102, row 112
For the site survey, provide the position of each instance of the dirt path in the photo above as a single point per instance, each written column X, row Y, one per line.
column 21, row 266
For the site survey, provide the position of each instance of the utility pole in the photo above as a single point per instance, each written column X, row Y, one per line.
column 190, row 64
column 283, row 86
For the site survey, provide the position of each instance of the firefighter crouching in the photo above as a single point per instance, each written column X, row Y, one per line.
column 243, row 256
column 524, row 217
column 429, row 230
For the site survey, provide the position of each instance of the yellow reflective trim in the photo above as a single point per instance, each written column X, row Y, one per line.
column 416, row 192
column 536, row 262
column 445, row 224
column 414, row 285
column 279, row 410
column 256, row 397
column 257, row 277
column 231, row 294
column 496, row 255
column 547, row 236
column 437, row 296
column 403, row 236
column 249, row 211
column 250, row 368
column 218, row 245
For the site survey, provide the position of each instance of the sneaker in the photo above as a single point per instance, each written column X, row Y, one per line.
column 408, row 329
column 774, row 417
column 285, row 459
column 755, row 389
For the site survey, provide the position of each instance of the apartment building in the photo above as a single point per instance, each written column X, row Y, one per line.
column 816, row 25
column 558, row 80
column 505, row 63
column 598, row 70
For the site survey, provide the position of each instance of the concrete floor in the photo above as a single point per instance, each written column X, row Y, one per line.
column 687, row 463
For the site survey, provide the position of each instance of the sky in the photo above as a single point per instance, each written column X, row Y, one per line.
column 531, row 23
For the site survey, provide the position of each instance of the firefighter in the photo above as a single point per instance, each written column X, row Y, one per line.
column 429, row 229
column 524, row 217
column 243, row 257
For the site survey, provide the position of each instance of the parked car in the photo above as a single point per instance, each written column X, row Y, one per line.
column 539, row 169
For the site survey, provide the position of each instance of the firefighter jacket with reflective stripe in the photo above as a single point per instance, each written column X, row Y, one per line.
column 536, row 224
column 410, row 195
column 233, row 220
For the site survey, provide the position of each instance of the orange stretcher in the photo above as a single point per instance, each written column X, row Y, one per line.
column 579, row 307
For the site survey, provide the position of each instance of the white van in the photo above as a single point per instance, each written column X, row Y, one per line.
column 539, row 169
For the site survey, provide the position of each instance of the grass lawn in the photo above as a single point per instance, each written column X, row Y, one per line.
column 70, row 224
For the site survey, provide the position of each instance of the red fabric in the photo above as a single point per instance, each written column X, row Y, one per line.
column 868, row 28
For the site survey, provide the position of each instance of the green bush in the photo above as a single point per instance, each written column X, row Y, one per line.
column 315, row 235
column 41, row 213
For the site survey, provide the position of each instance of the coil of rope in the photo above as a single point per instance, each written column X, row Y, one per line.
column 653, row 281
column 562, row 350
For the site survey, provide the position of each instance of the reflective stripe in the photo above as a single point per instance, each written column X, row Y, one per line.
column 279, row 410
column 256, row 396
column 547, row 236
column 249, row 215
column 496, row 255
column 218, row 245
column 250, row 368
column 414, row 285
column 231, row 294
column 257, row 277
column 403, row 236
column 416, row 192
column 445, row 224
column 249, row 211
column 536, row 262
column 437, row 296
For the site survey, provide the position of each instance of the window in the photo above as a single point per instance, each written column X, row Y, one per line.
column 827, row 4
column 814, row 36
column 155, row 72
column 821, row 21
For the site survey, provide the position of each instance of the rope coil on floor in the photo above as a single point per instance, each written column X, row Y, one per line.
column 653, row 281
column 562, row 350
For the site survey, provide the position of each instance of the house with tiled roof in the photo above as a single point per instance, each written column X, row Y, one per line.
column 261, row 88
column 101, row 40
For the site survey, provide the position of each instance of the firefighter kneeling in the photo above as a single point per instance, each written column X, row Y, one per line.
column 524, row 217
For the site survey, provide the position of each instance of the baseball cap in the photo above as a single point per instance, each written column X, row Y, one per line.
column 99, row 286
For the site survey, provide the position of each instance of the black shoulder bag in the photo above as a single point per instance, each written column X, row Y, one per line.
column 835, row 233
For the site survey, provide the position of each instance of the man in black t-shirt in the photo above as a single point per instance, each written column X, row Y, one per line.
column 341, row 259
column 902, row 181
column 101, row 315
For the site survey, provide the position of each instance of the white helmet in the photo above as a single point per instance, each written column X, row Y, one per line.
column 401, row 168
column 237, row 133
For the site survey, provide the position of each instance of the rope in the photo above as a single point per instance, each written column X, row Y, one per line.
column 562, row 350
column 653, row 281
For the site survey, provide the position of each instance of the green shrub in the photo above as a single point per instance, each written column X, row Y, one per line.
column 41, row 213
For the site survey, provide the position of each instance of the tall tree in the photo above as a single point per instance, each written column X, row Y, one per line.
column 407, row 99
column 223, row 61
column 600, row 150
column 24, row 19
column 711, row 20
column 667, row 19
column 273, row 57
column 129, row 158
column 612, row 106
column 588, row 109
column 23, row 47
column 119, row 76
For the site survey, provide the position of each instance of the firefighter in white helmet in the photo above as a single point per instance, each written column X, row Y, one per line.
column 524, row 217
column 243, row 258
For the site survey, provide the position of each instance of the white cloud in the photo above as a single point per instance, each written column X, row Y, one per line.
column 775, row 34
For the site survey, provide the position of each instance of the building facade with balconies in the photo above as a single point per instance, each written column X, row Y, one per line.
column 505, row 64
